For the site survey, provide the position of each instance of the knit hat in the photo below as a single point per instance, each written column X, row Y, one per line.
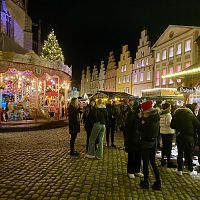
column 147, row 106
column 165, row 105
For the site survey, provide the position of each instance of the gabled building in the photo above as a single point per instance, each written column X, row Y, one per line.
column 102, row 77
column 82, row 91
column 174, row 51
column 88, row 81
column 142, row 76
column 94, row 80
column 124, row 71
column 110, row 74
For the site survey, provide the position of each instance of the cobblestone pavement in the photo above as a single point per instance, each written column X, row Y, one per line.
column 36, row 165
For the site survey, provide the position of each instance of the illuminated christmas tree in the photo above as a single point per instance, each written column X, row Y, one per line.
column 51, row 49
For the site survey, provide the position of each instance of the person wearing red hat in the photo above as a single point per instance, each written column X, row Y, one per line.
column 149, row 127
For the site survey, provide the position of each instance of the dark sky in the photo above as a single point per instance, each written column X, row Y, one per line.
column 88, row 29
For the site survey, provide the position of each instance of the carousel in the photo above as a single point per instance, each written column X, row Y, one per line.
column 30, row 86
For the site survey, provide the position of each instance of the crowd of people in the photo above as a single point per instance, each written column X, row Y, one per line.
column 144, row 125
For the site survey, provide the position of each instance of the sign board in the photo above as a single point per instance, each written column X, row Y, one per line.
column 186, row 90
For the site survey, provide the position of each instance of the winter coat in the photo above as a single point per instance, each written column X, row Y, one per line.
column 132, row 136
column 149, row 125
column 112, row 112
column 74, row 119
column 88, row 118
column 100, row 114
column 124, row 112
column 185, row 122
column 165, row 120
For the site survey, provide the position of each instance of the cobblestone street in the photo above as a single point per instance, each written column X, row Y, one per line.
column 36, row 165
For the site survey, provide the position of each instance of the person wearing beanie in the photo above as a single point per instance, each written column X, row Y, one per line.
column 149, row 128
column 166, row 134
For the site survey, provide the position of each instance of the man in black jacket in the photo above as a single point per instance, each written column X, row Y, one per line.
column 185, row 122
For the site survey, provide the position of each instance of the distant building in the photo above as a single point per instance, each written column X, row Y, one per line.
column 94, row 80
column 110, row 74
column 102, row 77
column 124, row 71
column 143, row 71
column 82, row 91
column 88, row 81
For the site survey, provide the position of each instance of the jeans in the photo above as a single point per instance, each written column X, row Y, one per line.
column 167, row 145
column 185, row 145
column 148, row 152
column 110, row 128
column 72, row 141
column 134, row 162
column 98, row 131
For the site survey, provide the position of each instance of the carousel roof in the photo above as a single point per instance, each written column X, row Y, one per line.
column 9, row 45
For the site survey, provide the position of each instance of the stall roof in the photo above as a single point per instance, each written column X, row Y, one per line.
column 111, row 95
column 9, row 45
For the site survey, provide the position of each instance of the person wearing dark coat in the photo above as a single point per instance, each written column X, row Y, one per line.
column 185, row 122
column 149, row 127
column 132, row 142
column 74, row 124
column 88, row 120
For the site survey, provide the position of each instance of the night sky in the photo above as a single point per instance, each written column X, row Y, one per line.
column 88, row 29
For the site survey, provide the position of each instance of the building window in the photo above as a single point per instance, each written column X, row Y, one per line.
column 128, row 79
column 171, row 52
column 124, row 79
column 124, row 90
column 124, row 68
column 164, row 54
column 137, row 65
column 158, row 57
column 171, row 71
column 164, row 72
column 135, row 92
column 119, row 80
column 142, row 63
column 178, row 69
column 148, row 75
column 147, row 61
column 127, row 90
column 135, row 78
column 187, row 64
column 179, row 49
column 187, row 45
column 142, row 54
column 157, row 78
column 141, row 76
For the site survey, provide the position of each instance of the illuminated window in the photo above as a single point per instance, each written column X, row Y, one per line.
column 179, row 49
column 124, row 79
column 148, row 75
column 142, row 54
column 171, row 71
column 157, row 78
column 135, row 78
column 171, row 52
column 142, row 62
column 158, row 57
column 135, row 92
column 128, row 79
column 127, row 90
column 147, row 61
column 164, row 72
column 141, row 76
column 119, row 80
column 164, row 54
column 124, row 68
column 137, row 65
column 178, row 69
column 187, row 45
column 187, row 64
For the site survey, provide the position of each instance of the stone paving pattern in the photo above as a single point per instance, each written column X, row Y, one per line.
column 37, row 165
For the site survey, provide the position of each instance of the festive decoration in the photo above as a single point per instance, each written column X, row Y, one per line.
column 51, row 49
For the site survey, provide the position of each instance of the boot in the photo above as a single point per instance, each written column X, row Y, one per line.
column 144, row 184
column 163, row 162
column 170, row 164
column 156, row 185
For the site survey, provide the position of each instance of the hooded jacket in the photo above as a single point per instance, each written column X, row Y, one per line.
column 185, row 122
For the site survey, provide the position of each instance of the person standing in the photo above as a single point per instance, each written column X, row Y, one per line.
column 185, row 122
column 149, row 127
column 98, row 131
column 166, row 134
column 110, row 127
column 132, row 142
column 74, row 124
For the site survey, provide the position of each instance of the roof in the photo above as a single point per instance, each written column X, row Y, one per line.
column 111, row 95
column 9, row 45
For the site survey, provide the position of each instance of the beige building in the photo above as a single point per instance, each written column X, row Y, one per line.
column 102, row 76
column 110, row 75
column 124, row 72
column 142, row 76
column 175, row 51
column 87, row 88
column 94, row 80
column 82, row 90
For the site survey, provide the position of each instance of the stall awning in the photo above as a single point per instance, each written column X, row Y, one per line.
column 111, row 95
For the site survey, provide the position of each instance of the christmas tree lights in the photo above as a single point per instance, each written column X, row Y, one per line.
column 51, row 49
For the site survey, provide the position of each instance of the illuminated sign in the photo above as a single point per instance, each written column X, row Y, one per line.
column 186, row 90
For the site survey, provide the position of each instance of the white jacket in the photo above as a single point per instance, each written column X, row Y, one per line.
column 165, row 120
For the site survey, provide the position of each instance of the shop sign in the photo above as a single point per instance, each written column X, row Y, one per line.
column 186, row 90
